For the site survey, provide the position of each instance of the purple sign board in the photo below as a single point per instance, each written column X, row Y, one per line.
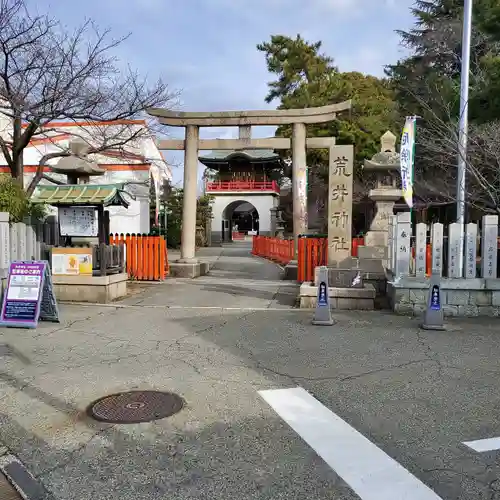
column 24, row 293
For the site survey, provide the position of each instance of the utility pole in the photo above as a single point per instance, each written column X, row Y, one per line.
column 463, row 126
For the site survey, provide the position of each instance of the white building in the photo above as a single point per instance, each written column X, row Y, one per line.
column 134, row 164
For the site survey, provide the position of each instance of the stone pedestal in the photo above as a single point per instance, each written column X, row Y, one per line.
column 343, row 276
column 291, row 271
column 194, row 269
column 377, row 236
column 340, row 298
column 384, row 201
column 376, row 239
column 94, row 289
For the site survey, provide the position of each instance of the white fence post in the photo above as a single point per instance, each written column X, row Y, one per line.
column 454, row 240
column 14, row 254
column 470, row 250
column 437, row 248
column 420, row 249
column 489, row 238
column 21, row 241
column 391, row 242
column 4, row 244
column 30, row 240
column 403, row 241
column 38, row 240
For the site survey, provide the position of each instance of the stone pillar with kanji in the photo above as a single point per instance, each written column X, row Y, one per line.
column 340, row 204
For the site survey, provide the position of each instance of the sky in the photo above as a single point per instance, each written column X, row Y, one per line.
column 206, row 49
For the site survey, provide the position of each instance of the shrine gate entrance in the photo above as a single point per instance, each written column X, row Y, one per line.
column 341, row 169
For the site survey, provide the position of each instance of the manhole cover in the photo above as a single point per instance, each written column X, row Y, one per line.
column 135, row 406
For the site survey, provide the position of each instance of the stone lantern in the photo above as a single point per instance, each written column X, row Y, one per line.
column 77, row 167
column 385, row 165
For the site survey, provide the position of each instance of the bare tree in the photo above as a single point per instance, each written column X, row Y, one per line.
column 113, row 140
column 428, row 84
column 49, row 74
column 437, row 156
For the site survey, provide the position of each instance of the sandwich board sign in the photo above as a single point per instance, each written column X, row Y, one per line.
column 29, row 295
column 322, row 314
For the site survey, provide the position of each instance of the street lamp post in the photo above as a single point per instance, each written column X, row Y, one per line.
column 463, row 125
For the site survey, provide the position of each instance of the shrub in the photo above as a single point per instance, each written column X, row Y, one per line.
column 14, row 201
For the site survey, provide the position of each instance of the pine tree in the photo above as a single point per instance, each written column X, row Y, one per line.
column 301, row 68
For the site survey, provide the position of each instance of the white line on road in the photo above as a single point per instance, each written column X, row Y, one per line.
column 370, row 472
column 482, row 445
column 157, row 306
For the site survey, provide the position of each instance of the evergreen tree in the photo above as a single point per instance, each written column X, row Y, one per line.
column 302, row 70
column 306, row 77
column 428, row 81
column 427, row 84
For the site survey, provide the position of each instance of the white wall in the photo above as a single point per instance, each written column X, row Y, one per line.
column 262, row 202
column 135, row 219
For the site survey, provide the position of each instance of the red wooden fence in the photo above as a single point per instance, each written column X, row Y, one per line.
column 312, row 252
column 146, row 256
column 274, row 249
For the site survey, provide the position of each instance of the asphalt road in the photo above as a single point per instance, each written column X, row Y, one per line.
column 387, row 407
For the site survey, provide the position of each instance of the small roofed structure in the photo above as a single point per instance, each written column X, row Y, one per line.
column 78, row 169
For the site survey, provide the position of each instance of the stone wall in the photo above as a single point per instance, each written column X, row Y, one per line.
column 460, row 297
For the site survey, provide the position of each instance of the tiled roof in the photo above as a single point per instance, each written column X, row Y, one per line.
column 80, row 194
column 250, row 154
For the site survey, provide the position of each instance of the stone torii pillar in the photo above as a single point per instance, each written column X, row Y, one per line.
column 188, row 265
column 299, row 182
column 188, row 232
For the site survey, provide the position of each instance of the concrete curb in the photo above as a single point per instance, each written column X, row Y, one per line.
column 21, row 478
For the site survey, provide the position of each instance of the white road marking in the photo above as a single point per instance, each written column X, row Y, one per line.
column 482, row 445
column 370, row 472
column 215, row 308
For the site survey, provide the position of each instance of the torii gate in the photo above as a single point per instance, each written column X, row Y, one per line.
column 188, row 265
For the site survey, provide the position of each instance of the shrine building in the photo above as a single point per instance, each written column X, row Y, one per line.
column 245, row 191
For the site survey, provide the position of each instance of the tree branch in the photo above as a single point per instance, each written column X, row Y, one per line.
column 49, row 74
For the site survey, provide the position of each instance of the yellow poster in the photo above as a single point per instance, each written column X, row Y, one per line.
column 85, row 264
column 67, row 261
